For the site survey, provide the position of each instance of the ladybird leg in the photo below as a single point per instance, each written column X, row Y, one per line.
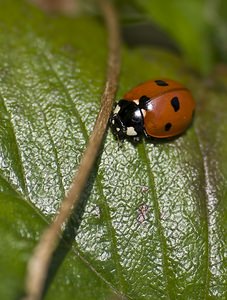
column 145, row 134
column 118, row 127
column 136, row 139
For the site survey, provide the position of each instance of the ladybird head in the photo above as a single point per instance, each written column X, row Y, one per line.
column 127, row 120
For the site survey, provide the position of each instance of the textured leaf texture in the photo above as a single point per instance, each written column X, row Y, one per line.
column 152, row 220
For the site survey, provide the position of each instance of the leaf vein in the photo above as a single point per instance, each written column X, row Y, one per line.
column 144, row 157
column 21, row 177
column 68, row 96
column 206, row 201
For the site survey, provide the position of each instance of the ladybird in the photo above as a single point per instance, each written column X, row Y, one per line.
column 161, row 108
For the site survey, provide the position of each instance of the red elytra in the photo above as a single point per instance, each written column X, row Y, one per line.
column 171, row 107
column 159, row 108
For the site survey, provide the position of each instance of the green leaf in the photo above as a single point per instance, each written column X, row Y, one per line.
column 188, row 23
column 20, row 225
column 152, row 220
column 49, row 76
column 197, row 28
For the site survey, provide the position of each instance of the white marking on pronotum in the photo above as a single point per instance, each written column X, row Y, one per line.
column 144, row 112
column 117, row 109
column 138, row 113
column 113, row 121
column 150, row 106
column 118, row 129
column 131, row 131
column 136, row 101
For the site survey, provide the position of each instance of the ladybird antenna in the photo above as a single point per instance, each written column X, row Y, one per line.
column 39, row 263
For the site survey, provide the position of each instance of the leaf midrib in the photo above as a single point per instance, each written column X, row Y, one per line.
column 205, row 170
column 144, row 157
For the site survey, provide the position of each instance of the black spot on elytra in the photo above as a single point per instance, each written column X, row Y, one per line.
column 161, row 83
column 175, row 104
column 143, row 102
column 168, row 126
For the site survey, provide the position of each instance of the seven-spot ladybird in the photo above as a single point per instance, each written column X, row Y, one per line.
column 160, row 108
